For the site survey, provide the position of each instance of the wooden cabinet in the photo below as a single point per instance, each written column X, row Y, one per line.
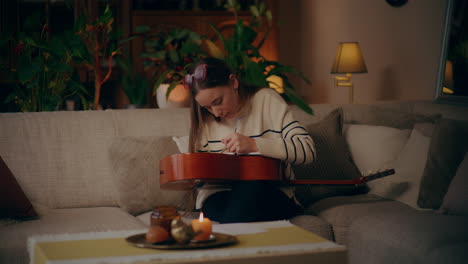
column 197, row 21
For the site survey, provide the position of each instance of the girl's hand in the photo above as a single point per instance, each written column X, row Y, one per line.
column 238, row 143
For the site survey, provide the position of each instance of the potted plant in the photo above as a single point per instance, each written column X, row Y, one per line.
column 169, row 51
column 134, row 84
column 99, row 47
column 241, row 51
column 43, row 75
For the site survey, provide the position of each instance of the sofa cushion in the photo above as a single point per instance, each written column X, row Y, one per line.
column 13, row 242
column 60, row 158
column 456, row 199
column 341, row 211
column 152, row 122
column 13, row 202
column 404, row 185
column 391, row 115
column 448, row 253
column 333, row 162
column 447, row 149
column 314, row 224
column 374, row 147
column 135, row 163
column 66, row 152
column 408, row 237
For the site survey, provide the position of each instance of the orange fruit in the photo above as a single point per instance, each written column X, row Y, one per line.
column 157, row 234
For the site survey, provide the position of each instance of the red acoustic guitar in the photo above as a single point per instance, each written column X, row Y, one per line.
column 188, row 170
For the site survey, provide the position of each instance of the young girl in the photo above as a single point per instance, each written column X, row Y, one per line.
column 229, row 116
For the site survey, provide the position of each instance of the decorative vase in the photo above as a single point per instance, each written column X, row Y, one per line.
column 179, row 97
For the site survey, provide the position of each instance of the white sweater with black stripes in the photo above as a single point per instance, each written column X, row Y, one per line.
column 267, row 120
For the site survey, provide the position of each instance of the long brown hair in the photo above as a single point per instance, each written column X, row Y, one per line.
column 216, row 73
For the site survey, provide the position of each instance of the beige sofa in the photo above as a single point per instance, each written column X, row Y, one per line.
column 87, row 171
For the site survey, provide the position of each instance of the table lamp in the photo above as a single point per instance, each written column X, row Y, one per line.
column 348, row 60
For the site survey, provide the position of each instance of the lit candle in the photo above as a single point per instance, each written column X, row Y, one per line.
column 202, row 225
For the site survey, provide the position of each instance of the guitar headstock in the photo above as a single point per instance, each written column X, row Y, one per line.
column 374, row 175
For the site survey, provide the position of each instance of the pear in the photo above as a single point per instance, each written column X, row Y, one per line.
column 181, row 232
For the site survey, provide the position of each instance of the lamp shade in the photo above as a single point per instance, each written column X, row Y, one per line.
column 448, row 78
column 349, row 59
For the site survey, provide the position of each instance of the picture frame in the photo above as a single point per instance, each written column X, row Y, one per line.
column 452, row 84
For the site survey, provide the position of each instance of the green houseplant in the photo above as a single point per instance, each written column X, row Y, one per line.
column 168, row 53
column 241, row 50
column 99, row 47
column 134, row 84
column 44, row 76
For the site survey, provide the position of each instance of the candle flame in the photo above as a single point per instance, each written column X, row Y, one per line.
column 201, row 217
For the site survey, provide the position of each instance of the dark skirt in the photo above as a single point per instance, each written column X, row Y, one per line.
column 250, row 201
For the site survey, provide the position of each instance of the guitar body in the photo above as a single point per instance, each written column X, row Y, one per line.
column 187, row 170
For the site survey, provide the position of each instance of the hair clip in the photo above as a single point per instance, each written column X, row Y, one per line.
column 199, row 74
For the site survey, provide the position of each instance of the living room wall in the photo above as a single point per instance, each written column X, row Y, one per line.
column 401, row 46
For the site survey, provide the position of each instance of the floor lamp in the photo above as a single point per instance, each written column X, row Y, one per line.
column 348, row 60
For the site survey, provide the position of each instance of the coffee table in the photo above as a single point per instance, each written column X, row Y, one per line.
column 266, row 242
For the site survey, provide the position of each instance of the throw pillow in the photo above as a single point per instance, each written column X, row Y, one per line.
column 456, row 200
column 404, row 185
column 182, row 143
column 382, row 116
column 374, row 147
column 13, row 202
column 333, row 162
column 448, row 146
column 135, row 162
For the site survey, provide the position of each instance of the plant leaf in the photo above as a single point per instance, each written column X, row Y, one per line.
column 213, row 50
column 292, row 96
column 27, row 69
column 218, row 34
column 161, row 78
column 171, row 87
column 124, row 65
column 254, row 11
column 253, row 73
column 269, row 16
column 174, row 56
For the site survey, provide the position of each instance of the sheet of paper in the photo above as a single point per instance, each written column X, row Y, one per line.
column 247, row 154
column 237, row 229
column 248, row 228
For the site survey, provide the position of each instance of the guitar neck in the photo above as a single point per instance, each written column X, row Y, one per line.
column 357, row 181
